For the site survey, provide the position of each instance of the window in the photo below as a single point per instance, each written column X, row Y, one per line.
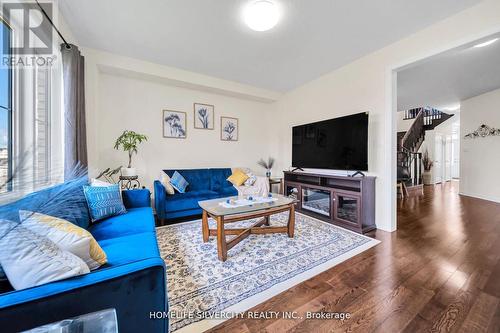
column 31, row 118
column 5, row 112
column 42, row 152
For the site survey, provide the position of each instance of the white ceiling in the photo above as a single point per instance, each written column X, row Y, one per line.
column 209, row 36
column 446, row 79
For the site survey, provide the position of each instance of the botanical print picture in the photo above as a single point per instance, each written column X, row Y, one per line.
column 174, row 124
column 203, row 116
column 228, row 129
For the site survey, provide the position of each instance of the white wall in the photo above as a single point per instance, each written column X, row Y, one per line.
column 126, row 93
column 136, row 104
column 366, row 85
column 480, row 158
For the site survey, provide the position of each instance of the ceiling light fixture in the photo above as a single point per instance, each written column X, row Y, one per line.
column 261, row 15
column 489, row 42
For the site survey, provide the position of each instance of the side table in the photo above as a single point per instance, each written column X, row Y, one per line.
column 276, row 181
column 129, row 182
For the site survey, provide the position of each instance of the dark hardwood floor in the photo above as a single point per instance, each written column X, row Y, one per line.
column 440, row 272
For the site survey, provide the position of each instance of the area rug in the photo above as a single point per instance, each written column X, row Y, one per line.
column 203, row 291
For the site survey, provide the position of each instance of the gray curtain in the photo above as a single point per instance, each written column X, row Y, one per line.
column 75, row 137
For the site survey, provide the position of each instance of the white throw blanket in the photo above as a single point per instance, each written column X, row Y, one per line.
column 260, row 188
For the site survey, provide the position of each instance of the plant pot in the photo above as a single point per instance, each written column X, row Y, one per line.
column 128, row 172
column 427, row 178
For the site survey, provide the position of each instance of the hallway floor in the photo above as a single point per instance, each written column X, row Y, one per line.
column 440, row 272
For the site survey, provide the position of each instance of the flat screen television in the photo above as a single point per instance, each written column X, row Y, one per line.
column 339, row 144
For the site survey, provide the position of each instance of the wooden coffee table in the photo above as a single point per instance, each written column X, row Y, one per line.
column 224, row 215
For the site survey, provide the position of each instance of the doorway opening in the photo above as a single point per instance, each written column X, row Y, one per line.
column 440, row 100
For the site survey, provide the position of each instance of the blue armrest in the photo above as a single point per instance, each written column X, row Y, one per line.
column 133, row 289
column 160, row 195
column 136, row 198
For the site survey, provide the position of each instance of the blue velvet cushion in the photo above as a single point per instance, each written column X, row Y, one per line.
column 188, row 200
column 136, row 198
column 218, row 179
column 104, row 201
column 65, row 201
column 178, row 182
column 137, row 220
column 198, row 179
column 229, row 191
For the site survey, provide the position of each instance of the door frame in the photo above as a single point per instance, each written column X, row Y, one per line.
column 391, row 110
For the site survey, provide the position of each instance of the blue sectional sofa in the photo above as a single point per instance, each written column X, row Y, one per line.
column 133, row 281
column 204, row 184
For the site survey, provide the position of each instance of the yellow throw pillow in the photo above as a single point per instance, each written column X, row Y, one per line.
column 67, row 236
column 238, row 177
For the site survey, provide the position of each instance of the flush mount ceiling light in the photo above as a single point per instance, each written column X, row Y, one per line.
column 489, row 42
column 261, row 15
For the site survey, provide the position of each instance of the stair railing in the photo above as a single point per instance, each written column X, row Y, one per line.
column 415, row 133
column 413, row 163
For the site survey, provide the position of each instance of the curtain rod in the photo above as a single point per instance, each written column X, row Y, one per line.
column 53, row 25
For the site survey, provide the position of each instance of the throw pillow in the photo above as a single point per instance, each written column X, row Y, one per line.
column 66, row 235
column 98, row 182
column 251, row 179
column 165, row 181
column 104, row 202
column 178, row 182
column 238, row 177
column 30, row 260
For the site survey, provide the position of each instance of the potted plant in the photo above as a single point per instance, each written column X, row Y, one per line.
column 268, row 165
column 128, row 141
column 427, row 163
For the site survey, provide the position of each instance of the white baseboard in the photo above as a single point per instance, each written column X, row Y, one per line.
column 478, row 196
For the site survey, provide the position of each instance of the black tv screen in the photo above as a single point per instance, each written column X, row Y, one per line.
column 339, row 143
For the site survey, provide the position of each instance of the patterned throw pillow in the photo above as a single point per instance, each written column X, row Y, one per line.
column 251, row 179
column 178, row 182
column 104, row 201
column 238, row 177
column 165, row 181
column 67, row 236
column 30, row 260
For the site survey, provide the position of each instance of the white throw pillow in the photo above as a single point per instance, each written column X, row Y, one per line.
column 30, row 260
column 99, row 183
column 67, row 236
column 165, row 181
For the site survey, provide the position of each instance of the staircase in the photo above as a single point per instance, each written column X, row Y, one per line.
column 432, row 117
column 409, row 142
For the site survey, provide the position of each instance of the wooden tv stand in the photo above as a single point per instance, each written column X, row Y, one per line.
column 345, row 201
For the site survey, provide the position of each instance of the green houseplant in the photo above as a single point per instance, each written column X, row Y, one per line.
column 129, row 141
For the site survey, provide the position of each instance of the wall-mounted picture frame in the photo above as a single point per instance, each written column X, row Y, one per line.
column 174, row 124
column 229, row 129
column 204, row 116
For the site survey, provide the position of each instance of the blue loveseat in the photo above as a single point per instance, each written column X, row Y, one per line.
column 133, row 281
column 204, row 184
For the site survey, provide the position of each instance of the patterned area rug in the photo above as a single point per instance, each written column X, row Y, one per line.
column 261, row 266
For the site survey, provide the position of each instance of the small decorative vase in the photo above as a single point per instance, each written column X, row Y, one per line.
column 427, row 178
column 128, row 172
column 268, row 173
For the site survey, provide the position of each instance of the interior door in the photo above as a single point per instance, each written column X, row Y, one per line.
column 448, row 158
column 438, row 158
